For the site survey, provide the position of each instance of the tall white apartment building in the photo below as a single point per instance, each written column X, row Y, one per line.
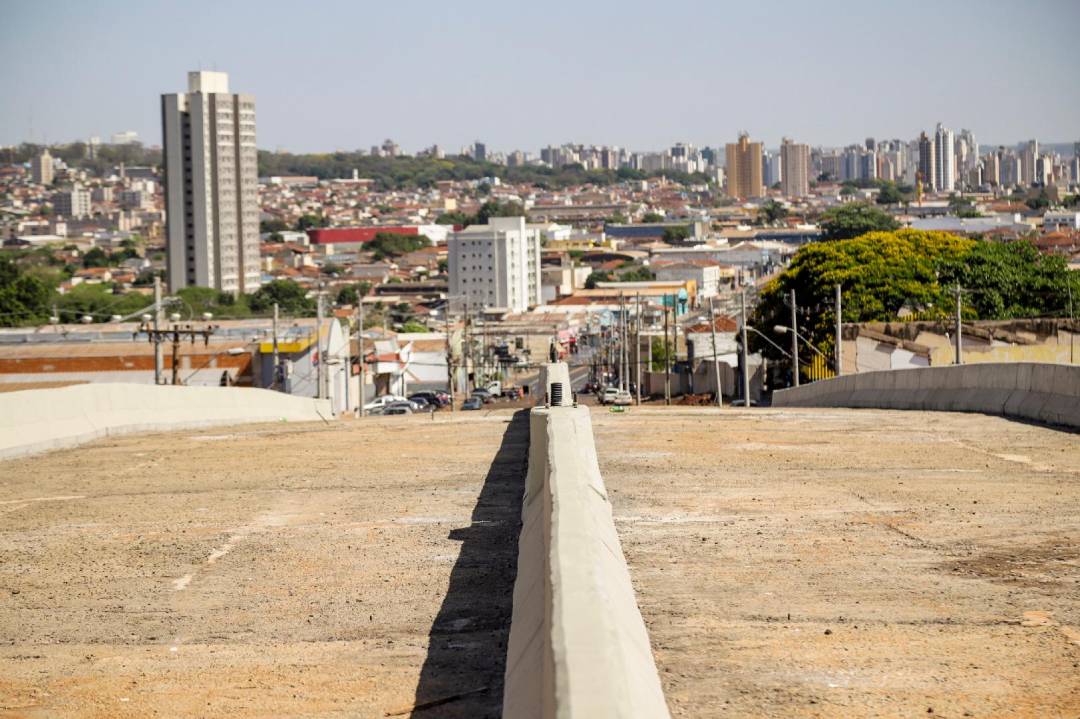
column 211, row 186
column 795, row 169
column 41, row 168
column 74, row 203
column 945, row 159
column 497, row 264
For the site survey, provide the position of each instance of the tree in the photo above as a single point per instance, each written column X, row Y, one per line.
column 290, row 297
column 24, row 298
column 675, row 235
column 391, row 244
column 1040, row 201
column 772, row 211
column 661, row 350
column 413, row 326
column 456, row 217
column 650, row 217
column 855, row 219
column 274, row 225
column 351, row 294
column 637, row 274
column 95, row 257
column 889, row 195
column 880, row 273
column 306, row 222
column 596, row 276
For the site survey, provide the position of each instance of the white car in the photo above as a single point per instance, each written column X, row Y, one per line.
column 622, row 398
column 609, row 395
column 384, row 400
column 494, row 389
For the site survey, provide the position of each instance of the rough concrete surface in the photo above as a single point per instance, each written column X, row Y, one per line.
column 852, row 563
column 286, row 570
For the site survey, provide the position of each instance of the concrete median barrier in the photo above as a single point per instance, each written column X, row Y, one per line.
column 1044, row 393
column 578, row 646
column 42, row 419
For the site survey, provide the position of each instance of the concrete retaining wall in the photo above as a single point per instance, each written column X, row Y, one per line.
column 43, row 419
column 1048, row 393
column 578, row 646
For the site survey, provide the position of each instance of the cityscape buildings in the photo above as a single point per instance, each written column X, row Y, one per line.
column 211, row 186
column 41, row 168
column 944, row 160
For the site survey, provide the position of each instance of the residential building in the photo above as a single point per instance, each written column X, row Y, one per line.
column 211, row 186
column 128, row 137
column 772, row 172
column 1029, row 158
column 497, row 264
column 41, row 168
column 927, row 161
column 744, row 168
column 795, row 169
column 72, row 203
column 479, row 151
column 944, row 159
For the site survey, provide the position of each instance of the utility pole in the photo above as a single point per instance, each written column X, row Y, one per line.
column 466, row 350
column 157, row 335
column 637, row 346
column 794, row 339
column 715, row 362
column 275, row 359
column 318, row 345
column 622, row 344
column 959, row 326
column 745, row 352
column 360, row 352
column 449, row 357
column 667, row 357
column 839, row 334
column 158, row 358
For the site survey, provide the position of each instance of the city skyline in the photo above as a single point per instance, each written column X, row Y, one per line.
column 450, row 79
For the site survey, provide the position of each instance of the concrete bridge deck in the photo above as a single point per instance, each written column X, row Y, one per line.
column 787, row 563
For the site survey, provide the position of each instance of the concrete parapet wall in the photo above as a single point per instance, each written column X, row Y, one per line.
column 1048, row 393
column 578, row 645
column 42, row 419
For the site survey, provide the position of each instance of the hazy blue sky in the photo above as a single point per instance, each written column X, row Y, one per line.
column 347, row 74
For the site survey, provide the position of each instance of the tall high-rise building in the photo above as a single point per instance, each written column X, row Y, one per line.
column 1029, row 156
column 928, row 161
column 795, row 168
column 744, row 168
column 211, row 186
column 497, row 264
column 479, row 151
column 771, row 171
column 74, row 203
column 41, row 168
column 944, row 159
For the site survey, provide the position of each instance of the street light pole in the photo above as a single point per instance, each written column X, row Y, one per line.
column 839, row 335
column 274, row 357
column 360, row 351
column 158, row 358
column 714, row 360
column 794, row 339
column 959, row 326
column 745, row 352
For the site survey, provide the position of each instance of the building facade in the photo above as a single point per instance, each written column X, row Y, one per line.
column 944, row 159
column 41, row 168
column 72, row 203
column 497, row 264
column 744, row 168
column 795, row 169
column 211, row 186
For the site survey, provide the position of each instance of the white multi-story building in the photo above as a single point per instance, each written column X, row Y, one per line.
column 944, row 159
column 211, row 186
column 497, row 264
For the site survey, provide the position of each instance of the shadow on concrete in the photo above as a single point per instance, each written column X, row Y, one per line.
column 463, row 672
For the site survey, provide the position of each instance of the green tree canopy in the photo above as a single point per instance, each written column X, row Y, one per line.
column 391, row 244
column 854, row 219
column 652, row 217
column 290, row 297
column 772, row 211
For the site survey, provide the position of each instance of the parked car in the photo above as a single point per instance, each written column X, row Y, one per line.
column 432, row 398
column 384, row 400
column 608, row 395
column 622, row 398
column 473, row 402
column 422, row 403
column 396, row 409
column 485, row 396
column 494, row 388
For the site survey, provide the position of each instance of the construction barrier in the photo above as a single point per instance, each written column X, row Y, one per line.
column 38, row 420
column 578, row 645
column 1046, row 393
